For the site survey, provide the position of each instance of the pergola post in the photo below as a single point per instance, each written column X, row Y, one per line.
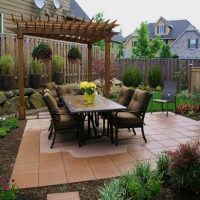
column 89, row 62
column 107, row 66
column 20, row 38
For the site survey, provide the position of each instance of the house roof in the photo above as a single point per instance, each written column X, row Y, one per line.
column 117, row 38
column 77, row 11
column 179, row 26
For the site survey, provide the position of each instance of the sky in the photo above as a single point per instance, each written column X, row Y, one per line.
column 129, row 13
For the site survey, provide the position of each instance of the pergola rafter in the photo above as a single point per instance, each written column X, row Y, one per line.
column 66, row 29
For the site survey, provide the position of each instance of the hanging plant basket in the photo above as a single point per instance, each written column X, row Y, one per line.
column 74, row 55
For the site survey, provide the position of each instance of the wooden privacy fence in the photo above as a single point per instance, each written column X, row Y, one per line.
column 195, row 79
column 8, row 45
column 168, row 67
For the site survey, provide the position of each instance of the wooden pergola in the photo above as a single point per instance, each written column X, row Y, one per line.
column 67, row 29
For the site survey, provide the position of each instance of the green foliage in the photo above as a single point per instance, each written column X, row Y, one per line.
column 42, row 52
column 112, row 190
column 185, row 167
column 144, row 47
column 74, row 53
column 154, row 77
column 7, row 64
column 144, row 185
column 165, row 51
column 35, row 66
column 8, row 190
column 163, row 166
column 58, row 63
column 120, row 50
column 3, row 132
column 180, row 75
column 132, row 76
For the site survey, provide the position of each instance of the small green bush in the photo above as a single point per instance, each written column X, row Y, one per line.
column 3, row 132
column 132, row 76
column 35, row 66
column 154, row 77
column 58, row 63
column 74, row 53
column 7, row 64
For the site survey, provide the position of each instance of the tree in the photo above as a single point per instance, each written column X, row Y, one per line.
column 146, row 48
column 100, row 18
column 165, row 51
column 120, row 50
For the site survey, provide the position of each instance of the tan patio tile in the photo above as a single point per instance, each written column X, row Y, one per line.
column 64, row 196
column 25, row 168
column 153, row 145
column 99, row 161
column 142, row 155
column 190, row 133
column 169, row 143
column 50, row 157
column 105, row 171
column 159, row 137
column 66, row 155
column 183, row 140
column 121, row 158
column 176, row 135
column 156, row 152
column 51, row 166
column 52, row 178
column 28, row 156
column 26, row 180
column 75, row 163
column 138, row 147
column 125, row 167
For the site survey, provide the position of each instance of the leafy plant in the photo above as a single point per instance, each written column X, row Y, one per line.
column 132, row 76
column 42, row 52
column 165, row 51
column 35, row 66
column 112, row 190
column 180, row 75
column 3, row 132
column 154, row 77
column 58, row 63
column 185, row 167
column 74, row 53
column 8, row 190
column 7, row 64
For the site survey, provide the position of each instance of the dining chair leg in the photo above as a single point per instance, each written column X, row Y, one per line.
column 116, row 136
column 104, row 129
column 54, row 138
column 142, row 129
column 134, row 131
column 111, row 134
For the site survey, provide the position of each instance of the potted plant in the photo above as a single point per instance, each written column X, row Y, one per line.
column 7, row 77
column 58, row 64
column 74, row 54
column 35, row 77
column 42, row 52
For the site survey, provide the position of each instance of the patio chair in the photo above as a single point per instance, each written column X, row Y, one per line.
column 125, row 95
column 64, row 89
column 133, row 117
column 63, row 122
column 168, row 96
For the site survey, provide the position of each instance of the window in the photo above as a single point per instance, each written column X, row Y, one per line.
column 161, row 29
column 1, row 22
column 134, row 43
column 193, row 43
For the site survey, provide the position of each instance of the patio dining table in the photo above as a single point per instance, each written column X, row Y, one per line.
column 77, row 105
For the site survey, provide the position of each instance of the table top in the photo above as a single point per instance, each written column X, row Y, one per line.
column 76, row 104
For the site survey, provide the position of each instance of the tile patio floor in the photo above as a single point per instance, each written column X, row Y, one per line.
column 38, row 165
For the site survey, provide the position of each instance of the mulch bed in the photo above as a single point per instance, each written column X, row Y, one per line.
column 87, row 190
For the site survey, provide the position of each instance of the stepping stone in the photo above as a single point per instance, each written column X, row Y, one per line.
column 64, row 196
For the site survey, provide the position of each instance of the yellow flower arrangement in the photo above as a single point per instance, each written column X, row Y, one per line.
column 88, row 87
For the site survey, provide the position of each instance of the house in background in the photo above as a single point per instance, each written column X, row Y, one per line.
column 182, row 37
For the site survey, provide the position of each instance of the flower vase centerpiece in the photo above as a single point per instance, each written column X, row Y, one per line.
column 89, row 91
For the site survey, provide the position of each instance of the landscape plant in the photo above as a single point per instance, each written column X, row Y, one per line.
column 132, row 76
column 58, row 63
column 154, row 77
column 35, row 66
column 74, row 54
column 7, row 64
column 165, row 51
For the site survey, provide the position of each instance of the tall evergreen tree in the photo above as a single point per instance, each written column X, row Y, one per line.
column 165, row 52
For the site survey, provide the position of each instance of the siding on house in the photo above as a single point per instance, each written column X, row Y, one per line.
column 181, row 48
column 27, row 8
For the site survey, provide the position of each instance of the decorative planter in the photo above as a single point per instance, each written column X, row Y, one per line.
column 7, row 82
column 35, row 80
column 58, row 78
column 89, row 99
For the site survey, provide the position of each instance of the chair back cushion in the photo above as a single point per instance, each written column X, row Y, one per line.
column 64, row 89
column 138, row 102
column 169, row 90
column 125, row 96
column 53, row 88
column 52, row 105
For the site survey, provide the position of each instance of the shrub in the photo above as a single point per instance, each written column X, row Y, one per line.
column 3, row 132
column 35, row 66
column 8, row 190
column 132, row 76
column 7, row 64
column 74, row 53
column 58, row 63
column 185, row 167
column 154, row 77
column 42, row 52
column 112, row 190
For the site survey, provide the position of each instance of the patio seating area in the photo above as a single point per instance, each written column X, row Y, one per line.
column 37, row 165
